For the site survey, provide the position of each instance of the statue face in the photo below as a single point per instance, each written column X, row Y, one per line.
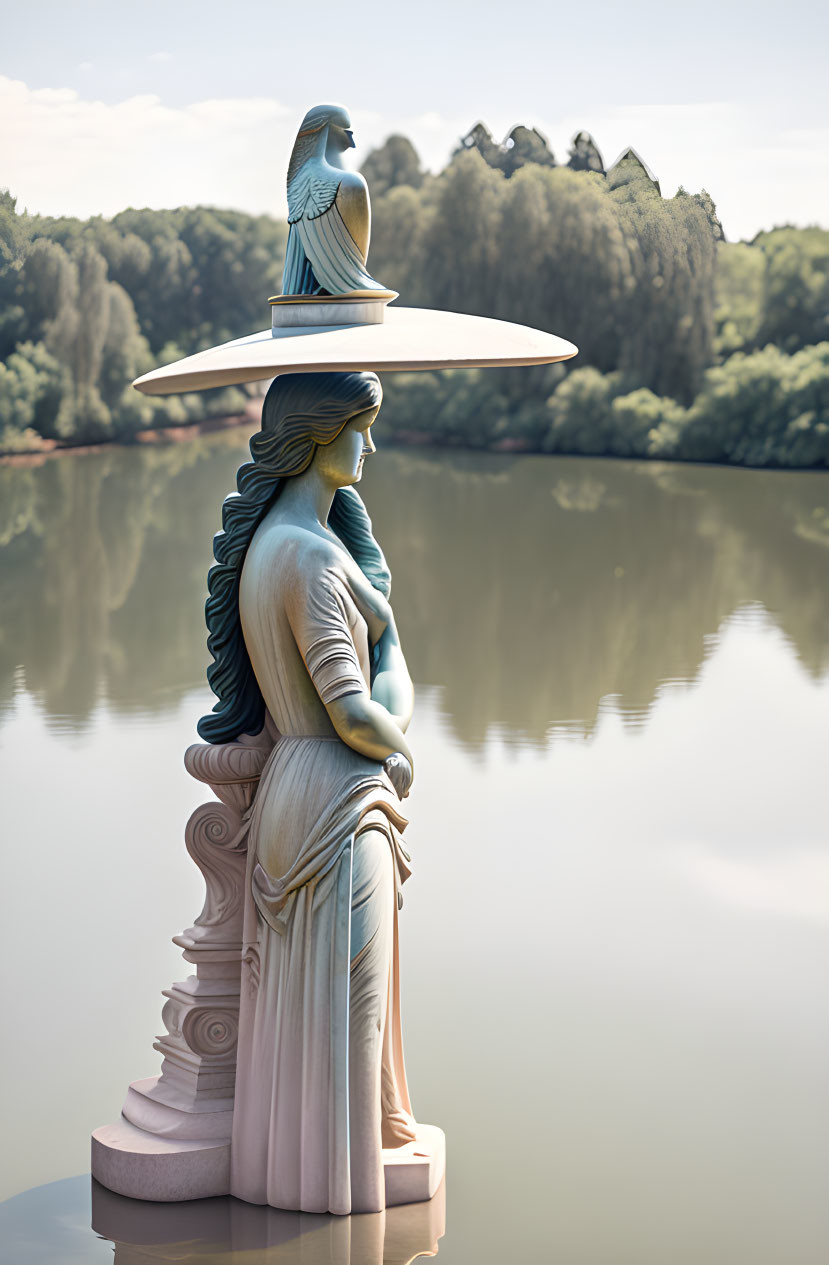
column 341, row 462
column 340, row 138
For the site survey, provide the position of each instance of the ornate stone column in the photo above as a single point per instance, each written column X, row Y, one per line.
column 173, row 1139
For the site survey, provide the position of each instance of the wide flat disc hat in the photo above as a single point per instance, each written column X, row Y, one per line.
column 407, row 339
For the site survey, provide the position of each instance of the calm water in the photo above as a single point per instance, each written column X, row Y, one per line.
column 616, row 939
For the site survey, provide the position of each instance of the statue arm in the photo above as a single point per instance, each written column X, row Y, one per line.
column 366, row 726
column 391, row 685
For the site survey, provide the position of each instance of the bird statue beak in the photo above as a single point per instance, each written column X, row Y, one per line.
column 351, row 142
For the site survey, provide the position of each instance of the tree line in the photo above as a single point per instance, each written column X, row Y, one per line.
column 689, row 347
column 86, row 306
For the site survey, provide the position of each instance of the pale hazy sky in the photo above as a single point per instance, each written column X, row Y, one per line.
column 105, row 105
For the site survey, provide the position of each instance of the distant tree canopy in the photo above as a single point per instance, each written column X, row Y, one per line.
column 645, row 285
column 624, row 273
column 584, row 154
column 795, row 296
column 396, row 162
column 86, row 306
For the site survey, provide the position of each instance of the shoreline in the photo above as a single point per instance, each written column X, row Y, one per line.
column 167, row 435
column 404, row 439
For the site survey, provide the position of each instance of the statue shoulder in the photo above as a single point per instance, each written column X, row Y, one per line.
column 352, row 182
column 302, row 553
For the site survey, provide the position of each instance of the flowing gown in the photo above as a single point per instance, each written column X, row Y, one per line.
column 320, row 1082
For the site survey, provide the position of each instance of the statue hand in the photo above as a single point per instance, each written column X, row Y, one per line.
column 399, row 773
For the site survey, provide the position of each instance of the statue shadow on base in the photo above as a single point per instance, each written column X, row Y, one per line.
column 229, row 1230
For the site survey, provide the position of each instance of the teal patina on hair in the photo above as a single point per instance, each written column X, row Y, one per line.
column 301, row 411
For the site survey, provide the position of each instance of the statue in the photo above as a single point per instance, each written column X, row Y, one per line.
column 311, row 638
column 329, row 212
column 282, row 1078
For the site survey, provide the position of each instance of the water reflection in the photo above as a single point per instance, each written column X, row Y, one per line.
column 612, row 949
column 529, row 589
column 227, row 1230
column 51, row 1223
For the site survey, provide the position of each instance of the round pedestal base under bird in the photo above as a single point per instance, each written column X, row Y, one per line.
column 358, row 307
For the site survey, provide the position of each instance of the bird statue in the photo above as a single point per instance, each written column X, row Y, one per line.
column 329, row 212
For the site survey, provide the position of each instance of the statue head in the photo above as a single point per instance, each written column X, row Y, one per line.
column 304, row 412
column 326, row 129
column 305, row 417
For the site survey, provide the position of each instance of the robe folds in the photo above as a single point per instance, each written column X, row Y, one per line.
column 320, row 1082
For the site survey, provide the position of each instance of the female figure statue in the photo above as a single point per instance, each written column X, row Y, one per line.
column 304, row 643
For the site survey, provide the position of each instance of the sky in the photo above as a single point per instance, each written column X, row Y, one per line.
column 105, row 105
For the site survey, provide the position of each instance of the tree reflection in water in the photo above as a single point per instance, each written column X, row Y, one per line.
column 528, row 588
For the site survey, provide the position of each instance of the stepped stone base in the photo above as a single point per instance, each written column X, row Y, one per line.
column 414, row 1172
column 228, row 1229
column 145, row 1166
column 142, row 1165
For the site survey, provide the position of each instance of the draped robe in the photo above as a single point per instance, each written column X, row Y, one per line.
column 320, row 1082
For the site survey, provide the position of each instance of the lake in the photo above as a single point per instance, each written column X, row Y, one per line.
column 615, row 941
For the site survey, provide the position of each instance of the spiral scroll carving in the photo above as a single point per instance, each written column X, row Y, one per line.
column 171, row 1017
column 231, row 769
column 215, row 839
column 211, row 1033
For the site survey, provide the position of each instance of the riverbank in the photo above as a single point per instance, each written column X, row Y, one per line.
column 512, row 445
column 168, row 435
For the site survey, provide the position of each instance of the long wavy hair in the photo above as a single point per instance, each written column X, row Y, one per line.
column 301, row 412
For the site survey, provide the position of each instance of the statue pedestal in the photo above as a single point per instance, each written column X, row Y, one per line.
column 230, row 1229
column 173, row 1139
column 143, row 1165
column 172, row 1142
column 414, row 1172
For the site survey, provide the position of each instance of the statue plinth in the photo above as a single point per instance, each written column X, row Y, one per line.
column 173, row 1139
column 310, row 311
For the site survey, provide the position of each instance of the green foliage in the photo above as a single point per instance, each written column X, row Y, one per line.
column 671, row 309
column 739, row 295
column 584, row 154
column 525, row 146
column 32, row 384
column 763, row 409
column 628, row 275
column 392, row 164
column 689, row 347
column 196, row 275
column 775, row 290
column 72, row 339
column 519, row 148
column 795, row 309
column 595, row 414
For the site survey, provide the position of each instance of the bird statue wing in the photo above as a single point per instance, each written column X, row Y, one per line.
column 322, row 254
column 312, row 192
column 334, row 256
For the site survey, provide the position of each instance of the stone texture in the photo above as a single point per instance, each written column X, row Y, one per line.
column 144, row 1166
column 413, row 1173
